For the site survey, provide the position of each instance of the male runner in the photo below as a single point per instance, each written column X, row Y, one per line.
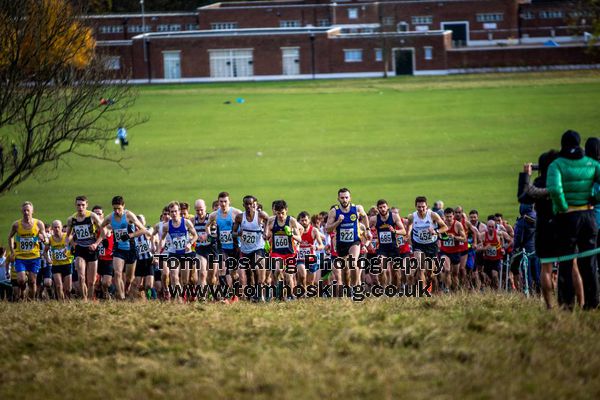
column 424, row 227
column 29, row 234
column 465, row 246
column 309, row 245
column 452, row 249
column 249, row 226
column 183, row 236
column 123, row 223
column 388, row 225
column 223, row 219
column 60, row 257
column 284, row 232
column 81, row 228
column 204, row 245
column 494, row 241
column 343, row 219
column 105, row 256
column 161, row 274
column 144, row 268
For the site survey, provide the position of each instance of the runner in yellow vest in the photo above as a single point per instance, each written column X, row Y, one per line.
column 61, row 259
column 24, row 242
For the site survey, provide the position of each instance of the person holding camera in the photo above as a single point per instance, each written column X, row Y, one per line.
column 571, row 178
column 546, row 242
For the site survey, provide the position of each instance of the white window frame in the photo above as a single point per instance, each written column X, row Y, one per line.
column 552, row 14
column 323, row 22
column 162, row 28
column 428, row 53
column 192, row 27
column 225, row 26
column 349, row 55
column 422, row 20
column 353, row 13
column 490, row 17
column 378, row 55
column 387, row 21
column 294, row 23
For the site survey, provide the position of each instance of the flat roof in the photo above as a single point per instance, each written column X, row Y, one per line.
column 236, row 32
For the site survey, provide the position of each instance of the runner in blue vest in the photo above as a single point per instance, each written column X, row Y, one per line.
column 343, row 219
column 182, row 236
column 123, row 223
column 223, row 219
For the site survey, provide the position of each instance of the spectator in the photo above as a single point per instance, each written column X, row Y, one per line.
column 592, row 150
column 524, row 241
column 545, row 233
column 122, row 137
column 571, row 178
column 438, row 208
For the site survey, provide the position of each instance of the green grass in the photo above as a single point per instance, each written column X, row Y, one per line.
column 460, row 346
column 462, row 139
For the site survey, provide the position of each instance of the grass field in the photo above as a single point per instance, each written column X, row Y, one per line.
column 450, row 347
column 462, row 139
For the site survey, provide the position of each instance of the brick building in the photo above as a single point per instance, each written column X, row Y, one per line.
column 306, row 39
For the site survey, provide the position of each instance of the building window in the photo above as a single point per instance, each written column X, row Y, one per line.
column 551, row 14
column 223, row 26
column 490, row 17
column 428, row 53
column 111, row 29
column 174, row 27
column 290, row 24
column 192, row 27
column 402, row 27
column 387, row 21
column 527, row 15
column 162, row 28
column 113, row 63
column 139, row 28
column 352, row 55
column 323, row 22
column 422, row 20
column 378, row 55
column 353, row 13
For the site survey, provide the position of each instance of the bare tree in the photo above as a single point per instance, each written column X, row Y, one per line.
column 52, row 81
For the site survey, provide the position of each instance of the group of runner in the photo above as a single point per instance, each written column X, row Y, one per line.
column 116, row 255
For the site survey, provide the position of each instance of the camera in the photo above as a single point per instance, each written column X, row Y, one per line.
column 535, row 167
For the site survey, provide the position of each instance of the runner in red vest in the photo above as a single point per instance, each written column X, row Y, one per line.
column 452, row 247
column 493, row 251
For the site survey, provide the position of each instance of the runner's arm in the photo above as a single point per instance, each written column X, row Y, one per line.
column 442, row 227
column 237, row 221
column 11, row 241
column 332, row 222
column 401, row 230
column 192, row 232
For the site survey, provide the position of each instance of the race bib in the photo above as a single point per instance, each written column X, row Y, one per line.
column 82, row 231
column 448, row 242
column 491, row 252
column 142, row 248
column 119, row 233
column 249, row 238
column 178, row 243
column 400, row 240
column 425, row 236
column 303, row 252
column 59, row 254
column 101, row 250
column 281, row 241
column 225, row 237
column 26, row 244
column 347, row 235
column 385, row 237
